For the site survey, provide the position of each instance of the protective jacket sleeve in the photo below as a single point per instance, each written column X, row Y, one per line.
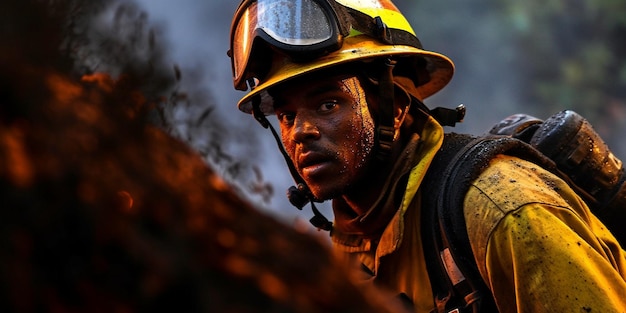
column 538, row 246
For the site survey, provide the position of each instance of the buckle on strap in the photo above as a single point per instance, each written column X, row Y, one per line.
column 385, row 140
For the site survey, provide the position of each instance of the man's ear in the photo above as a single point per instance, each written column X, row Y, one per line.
column 399, row 115
column 400, row 107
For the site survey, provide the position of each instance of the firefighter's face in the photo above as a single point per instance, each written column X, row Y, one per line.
column 328, row 132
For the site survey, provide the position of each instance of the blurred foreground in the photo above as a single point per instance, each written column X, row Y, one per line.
column 103, row 212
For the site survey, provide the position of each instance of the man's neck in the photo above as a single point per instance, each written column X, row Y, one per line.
column 359, row 198
column 367, row 207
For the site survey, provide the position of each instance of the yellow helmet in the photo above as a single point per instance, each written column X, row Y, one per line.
column 276, row 40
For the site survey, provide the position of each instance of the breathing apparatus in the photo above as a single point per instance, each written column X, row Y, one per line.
column 272, row 41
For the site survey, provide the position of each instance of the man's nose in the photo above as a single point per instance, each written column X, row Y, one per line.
column 305, row 128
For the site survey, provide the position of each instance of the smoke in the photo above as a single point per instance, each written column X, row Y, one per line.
column 198, row 32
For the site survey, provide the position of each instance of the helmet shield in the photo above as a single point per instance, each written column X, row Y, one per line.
column 303, row 29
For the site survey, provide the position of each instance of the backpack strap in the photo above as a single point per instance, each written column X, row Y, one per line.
column 455, row 279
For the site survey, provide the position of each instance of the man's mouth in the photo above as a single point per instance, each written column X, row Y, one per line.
column 312, row 162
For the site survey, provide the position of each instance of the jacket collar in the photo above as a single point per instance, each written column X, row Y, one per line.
column 422, row 150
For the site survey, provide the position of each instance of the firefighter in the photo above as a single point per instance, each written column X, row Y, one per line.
column 346, row 80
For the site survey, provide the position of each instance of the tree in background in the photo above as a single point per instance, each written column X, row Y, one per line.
column 574, row 56
column 535, row 57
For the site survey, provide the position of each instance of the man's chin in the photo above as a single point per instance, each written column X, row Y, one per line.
column 323, row 194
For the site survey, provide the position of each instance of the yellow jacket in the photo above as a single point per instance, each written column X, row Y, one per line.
column 536, row 243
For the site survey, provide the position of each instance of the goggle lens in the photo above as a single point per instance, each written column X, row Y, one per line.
column 291, row 25
column 298, row 23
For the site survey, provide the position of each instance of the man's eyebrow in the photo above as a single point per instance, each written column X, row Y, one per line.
column 321, row 89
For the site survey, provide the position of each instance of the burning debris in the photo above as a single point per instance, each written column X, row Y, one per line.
column 103, row 212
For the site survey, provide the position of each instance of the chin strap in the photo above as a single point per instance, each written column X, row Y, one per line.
column 298, row 195
column 385, row 129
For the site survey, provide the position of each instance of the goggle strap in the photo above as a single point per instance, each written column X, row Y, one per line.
column 343, row 13
column 382, row 31
column 376, row 28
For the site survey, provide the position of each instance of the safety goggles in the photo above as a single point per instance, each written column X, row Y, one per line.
column 303, row 29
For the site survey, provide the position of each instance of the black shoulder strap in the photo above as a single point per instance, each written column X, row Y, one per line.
column 454, row 276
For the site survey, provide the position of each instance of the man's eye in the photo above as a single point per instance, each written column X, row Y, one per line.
column 327, row 106
column 286, row 118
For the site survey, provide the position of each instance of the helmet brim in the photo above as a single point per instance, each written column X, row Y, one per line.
column 439, row 67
